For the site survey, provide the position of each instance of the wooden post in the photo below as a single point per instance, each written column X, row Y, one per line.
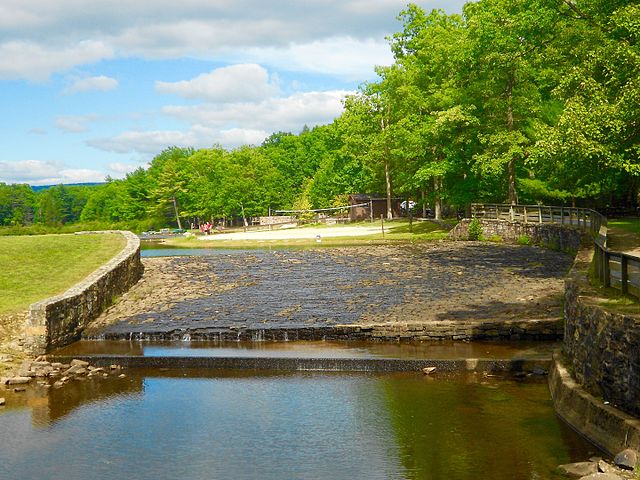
column 624, row 269
column 539, row 214
column 371, row 209
column 526, row 215
column 511, row 213
column 561, row 215
column 551, row 214
column 382, row 224
column 607, row 270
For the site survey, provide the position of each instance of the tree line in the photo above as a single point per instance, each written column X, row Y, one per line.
column 528, row 101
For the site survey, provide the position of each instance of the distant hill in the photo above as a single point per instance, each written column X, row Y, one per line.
column 38, row 188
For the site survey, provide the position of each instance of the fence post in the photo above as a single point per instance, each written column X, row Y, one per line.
column 539, row 214
column 526, row 218
column 511, row 213
column 624, row 269
column 607, row 271
column 561, row 215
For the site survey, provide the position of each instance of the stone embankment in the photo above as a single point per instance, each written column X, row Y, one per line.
column 556, row 237
column 58, row 321
column 601, row 396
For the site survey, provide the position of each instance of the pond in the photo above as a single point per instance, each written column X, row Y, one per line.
column 192, row 424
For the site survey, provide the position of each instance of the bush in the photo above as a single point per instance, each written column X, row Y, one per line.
column 524, row 240
column 475, row 229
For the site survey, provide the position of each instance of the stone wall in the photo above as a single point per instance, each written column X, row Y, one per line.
column 602, row 346
column 555, row 237
column 607, row 427
column 58, row 321
column 396, row 332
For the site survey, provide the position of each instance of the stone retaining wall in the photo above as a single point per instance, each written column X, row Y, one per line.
column 607, row 427
column 58, row 321
column 426, row 331
column 603, row 347
column 556, row 237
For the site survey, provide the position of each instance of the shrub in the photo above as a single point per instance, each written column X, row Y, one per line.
column 524, row 240
column 475, row 229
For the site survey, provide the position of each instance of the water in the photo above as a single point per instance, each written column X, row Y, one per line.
column 443, row 350
column 203, row 424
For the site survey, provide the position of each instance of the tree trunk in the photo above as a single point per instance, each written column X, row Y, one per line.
column 387, row 179
column 175, row 209
column 437, row 187
column 511, row 166
column 424, row 204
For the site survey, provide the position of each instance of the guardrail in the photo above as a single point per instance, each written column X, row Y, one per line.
column 614, row 269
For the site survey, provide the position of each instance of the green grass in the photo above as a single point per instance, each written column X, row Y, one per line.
column 396, row 232
column 631, row 225
column 33, row 268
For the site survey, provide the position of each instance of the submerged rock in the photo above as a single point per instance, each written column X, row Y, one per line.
column 579, row 469
column 601, row 476
column 17, row 380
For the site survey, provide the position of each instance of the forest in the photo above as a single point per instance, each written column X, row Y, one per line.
column 517, row 101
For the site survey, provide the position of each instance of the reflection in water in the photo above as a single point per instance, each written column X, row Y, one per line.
column 203, row 424
column 318, row 349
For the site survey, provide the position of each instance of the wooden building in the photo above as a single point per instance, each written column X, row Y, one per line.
column 378, row 204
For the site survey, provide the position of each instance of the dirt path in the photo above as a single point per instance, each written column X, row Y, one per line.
column 320, row 288
column 295, row 233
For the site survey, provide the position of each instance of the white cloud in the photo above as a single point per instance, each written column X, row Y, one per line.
column 121, row 169
column 236, row 83
column 37, row 131
column 75, row 123
column 149, row 142
column 36, row 62
column 345, row 57
column 100, row 83
column 289, row 113
column 40, row 172
column 40, row 37
column 230, row 124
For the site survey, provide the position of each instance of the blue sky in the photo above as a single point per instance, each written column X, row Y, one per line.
column 96, row 88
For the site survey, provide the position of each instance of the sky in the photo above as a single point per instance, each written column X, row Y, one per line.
column 96, row 88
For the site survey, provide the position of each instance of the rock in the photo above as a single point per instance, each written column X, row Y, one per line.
column 428, row 370
column 18, row 380
column 57, row 365
column 2, row 401
column 19, row 389
column 579, row 469
column 40, row 364
column 627, row 459
column 79, row 363
column 58, row 384
column 604, row 467
column 122, row 375
column 114, row 367
column 6, row 358
column 539, row 371
column 601, row 476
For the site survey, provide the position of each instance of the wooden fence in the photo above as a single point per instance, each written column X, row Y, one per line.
column 613, row 269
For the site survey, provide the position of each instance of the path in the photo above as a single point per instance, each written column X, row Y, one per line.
column 295, row 233
column 448, row 281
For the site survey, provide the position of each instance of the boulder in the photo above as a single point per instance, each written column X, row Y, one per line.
column 579, row 469
column 627, row 459
column 79, row 363
column 2, row 401
column 18, row 380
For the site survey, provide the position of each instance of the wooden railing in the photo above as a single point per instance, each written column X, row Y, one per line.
column 613, row 269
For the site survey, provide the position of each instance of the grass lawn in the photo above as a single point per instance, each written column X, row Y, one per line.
column 631, row 225
column 33, row 268
column 396, row 232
